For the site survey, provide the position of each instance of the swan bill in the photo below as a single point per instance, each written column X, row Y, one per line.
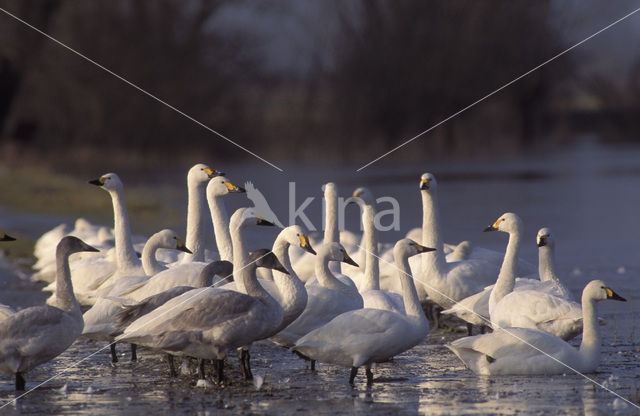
column 613, row 295
column 305, row 244
column 212, row 173
column 424, row 184
column 420, row 248
column 263, row 222
column 348, row 260
column 7, row 237
column 233, row 188
column 181, row 247
column 542, row 242
column 494, row 226
column 97, row 182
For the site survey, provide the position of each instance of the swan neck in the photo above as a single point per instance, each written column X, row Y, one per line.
column 292, row 293
column 150, row 264
column 239, row 258
column 372, row 266
column 590, row 345
column 331, row 234
column 547, row 264
column 220, row 220
column 196, row 207
column 329, row 281
column 433, row 262
column 65, row 299
column 507, row 276
column 125, row 254
column 410, row 297
column 253, row 288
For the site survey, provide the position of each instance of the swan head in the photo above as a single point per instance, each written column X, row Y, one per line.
column 545, row 238
column 170, row 240
column 598, row 290
column 407, row 247
column 247, row 216
column 507, row 222
column 428, row 182
column 330, row 190
column 335, row 252
column 220, row 185
column 201, row 173
column 295, row 236
column 109, row 182
column 363, row 194
column 220, row 268
column 70, row 244
column 6, row 237
column 265, row 258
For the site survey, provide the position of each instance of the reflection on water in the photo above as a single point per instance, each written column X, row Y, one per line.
column 588, row 196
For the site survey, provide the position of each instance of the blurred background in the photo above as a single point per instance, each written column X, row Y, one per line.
column 310, row 81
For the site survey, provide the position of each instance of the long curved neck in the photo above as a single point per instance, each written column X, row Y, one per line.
column 65, row 299
column 150, row 264
column 327, row 279
column 220, row 220
column 293, row 295
column 252, row 288
column 239, row 257
column 372, row 266
column 590, row 346
column 507, row 276
column 434, row 262
column 125, row 254
column 409, row 293
column 331, row 234
column 196, row 209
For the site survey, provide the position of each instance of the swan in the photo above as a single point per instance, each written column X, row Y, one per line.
column 445, row 283
column 38, row 334
column 90, row 273
column 187, row 273
column 198, row 228
column 368, row 283
column 475, row 308
column 528, row 308
column 5, row 311
column 365, row 336
column 525, row 351
column 127, row 314
column 99, row 320
column 286, row 288
column 206, row 323
column 327, row 298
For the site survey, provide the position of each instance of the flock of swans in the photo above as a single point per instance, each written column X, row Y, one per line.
column 350, row 302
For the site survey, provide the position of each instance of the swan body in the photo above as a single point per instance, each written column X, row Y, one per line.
column 365, row 336
column 475, row 308
column 5, row 311
column 528, row 308
column 38, row 334
column 510, row 351
column 327, row 298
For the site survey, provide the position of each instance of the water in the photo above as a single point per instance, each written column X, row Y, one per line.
column 588, row 195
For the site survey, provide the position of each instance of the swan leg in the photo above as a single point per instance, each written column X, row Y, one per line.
column 436, row 316
column 469, row 328
column 134, row 352
column 20, row 382
column 245, row 364
column 172, row 367
column 352, row 376
column 114, row 356
column 369, row 375
column 201, row 369
column 313, row 365
column 219, row 365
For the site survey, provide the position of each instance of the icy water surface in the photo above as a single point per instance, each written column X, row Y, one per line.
column 588, row 196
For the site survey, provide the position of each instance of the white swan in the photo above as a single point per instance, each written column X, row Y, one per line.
column 445, row 283
column 368, row 283
column 475, row 308
column 327, row 298
column 528, row 308
column 206, row 323
column 187, row 273
column 511, row 351
column 89, row 273
column 366, row 336
column 38, row 334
